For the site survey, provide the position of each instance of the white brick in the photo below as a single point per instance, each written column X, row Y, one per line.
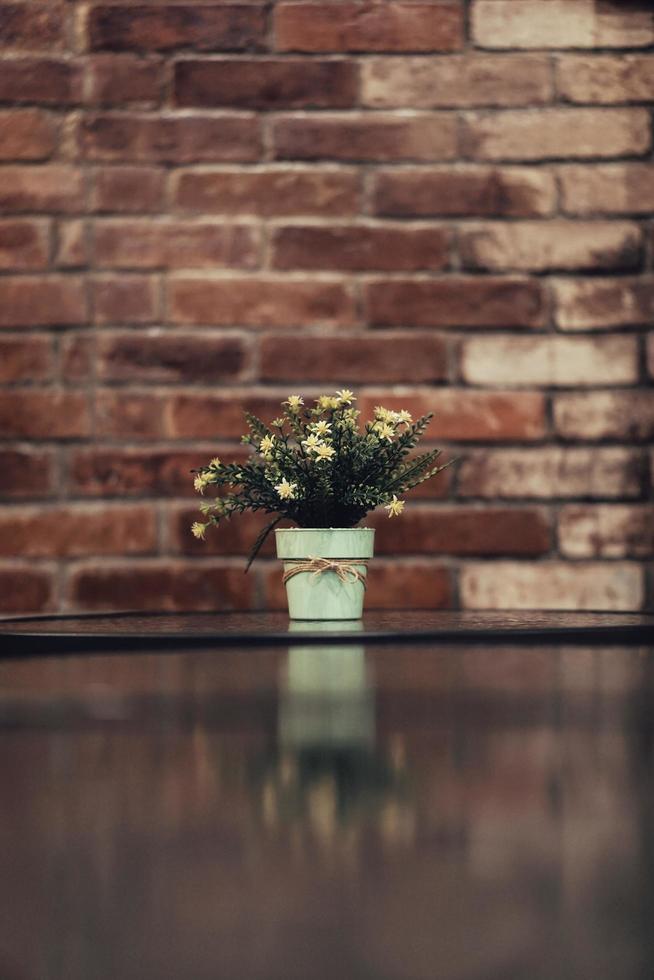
column 558, row 361
column 559, row 24
column 552, row 585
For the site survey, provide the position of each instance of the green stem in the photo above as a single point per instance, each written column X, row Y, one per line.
column 261, row 537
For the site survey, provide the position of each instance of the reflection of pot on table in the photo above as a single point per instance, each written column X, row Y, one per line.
column 326, row 698
column 325, row 776
column 330, row 772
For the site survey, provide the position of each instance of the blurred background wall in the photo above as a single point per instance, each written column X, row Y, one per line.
column 444, row 205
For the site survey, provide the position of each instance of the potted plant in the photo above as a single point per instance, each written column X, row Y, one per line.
column 317, row 467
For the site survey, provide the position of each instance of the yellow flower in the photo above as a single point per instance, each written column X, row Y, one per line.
column 215, row 462
column 404, row 416
column 198, row 530
column 267, row 444
column 384, row 414
column 321, row 428
column 323, row 451
column 311, row 443
column 325, row 402
column 384, row 430
column 286, row 490
column 201, row 481
column 395, row 507
column 294, row 402
column 345, row 396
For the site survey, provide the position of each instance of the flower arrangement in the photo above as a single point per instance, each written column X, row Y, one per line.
column 317, row 467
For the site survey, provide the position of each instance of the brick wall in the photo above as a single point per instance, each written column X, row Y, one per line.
column 446, row 205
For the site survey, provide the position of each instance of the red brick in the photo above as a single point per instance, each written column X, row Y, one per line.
column 136, row 27
column 148, row 244
column 75, row 530
column 356, row 248
column 43, row 80
column 97, row 472
column 455, row 302
column 560, row 24
column 541, row 246
column 627, row 415
column 587, row 304
column 650, row 355
column 466, row 80
column 233, row 537
column 25, row 590
column 347, row 26
column 41, row 301
column 606, row 78
column 71, row 244
column 52, row 188
column 551, row 472
column 548, row 134
column 26, row 134
column 266, row 83
column 161, row 357
column 611, row 188
column 409, row 585
column 515, row 192
column 44, row 414
column 32, row 26
column 375, row 137
column 464, row 416
column 354, row 358
column 463, row 530
column 269, row 193
column 180, row 139
column 122, row 79
column 24, row 244
column 26, row 473
column 606, row 531
column 551, row 585
column 557, row 361
column 128, row 415
column 127, row 189
column 76, row 351
column 125, row 299
column 25, row 358
column 217, row 415
column 162, row 586
column 412, row 584
column 259, row 302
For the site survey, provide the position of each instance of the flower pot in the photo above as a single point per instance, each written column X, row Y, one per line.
column 325, row 570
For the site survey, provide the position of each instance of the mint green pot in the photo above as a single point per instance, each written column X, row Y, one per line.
column 324, row 596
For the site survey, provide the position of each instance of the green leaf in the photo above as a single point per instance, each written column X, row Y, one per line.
column 261, row 537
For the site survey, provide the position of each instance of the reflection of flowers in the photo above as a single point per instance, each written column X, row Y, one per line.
column 324, row 779
column 334, row 791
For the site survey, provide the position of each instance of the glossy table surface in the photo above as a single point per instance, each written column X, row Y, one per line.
column 356, row 806
column 62, row 635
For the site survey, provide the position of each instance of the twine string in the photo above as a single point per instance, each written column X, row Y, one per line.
column 345, row 568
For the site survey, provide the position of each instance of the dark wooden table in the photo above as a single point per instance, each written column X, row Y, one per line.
column 456, row 796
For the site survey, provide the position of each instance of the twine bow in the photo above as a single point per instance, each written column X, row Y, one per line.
column 345, row 568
